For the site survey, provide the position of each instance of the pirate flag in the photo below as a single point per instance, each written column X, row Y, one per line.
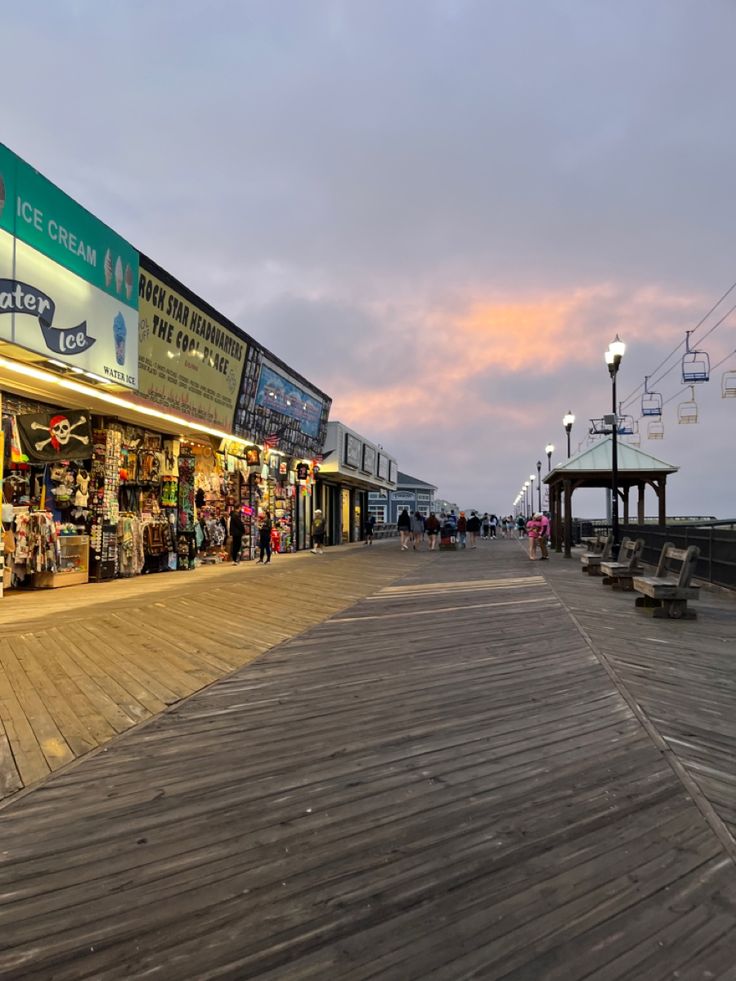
column 60, row 434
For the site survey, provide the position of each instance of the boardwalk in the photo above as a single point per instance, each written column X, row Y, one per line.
column 470, row 771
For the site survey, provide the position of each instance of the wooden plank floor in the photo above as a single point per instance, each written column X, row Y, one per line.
column 681, row 674
column 79, row 666
column 442, row 781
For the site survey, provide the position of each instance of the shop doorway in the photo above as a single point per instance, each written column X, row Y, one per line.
column 345, row 515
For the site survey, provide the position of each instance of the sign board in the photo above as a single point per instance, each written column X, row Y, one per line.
column 352, row 451
column 382, row 466
column 369, row 459
column 393, row 473
column 67, row 281
column 188, row 361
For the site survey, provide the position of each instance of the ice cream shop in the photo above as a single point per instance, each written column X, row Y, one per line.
column 119, row 450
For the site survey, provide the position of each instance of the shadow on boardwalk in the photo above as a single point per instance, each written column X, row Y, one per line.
column 447, row 779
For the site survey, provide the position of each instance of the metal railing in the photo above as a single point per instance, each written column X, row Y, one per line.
column 715, row 539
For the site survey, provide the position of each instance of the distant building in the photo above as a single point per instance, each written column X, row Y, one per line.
column 410, row 493
column 441, row 505
column 353, row 471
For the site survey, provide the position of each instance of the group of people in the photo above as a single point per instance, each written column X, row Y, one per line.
column 465, row 531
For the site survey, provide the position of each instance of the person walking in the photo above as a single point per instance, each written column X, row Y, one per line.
column 520, row 526
column 473, row 528
column 370, row 523
column 432, row 527
column 544, row 529
column 318, row 533
column 417, row 530
column 462, row 528
column 404, row 526
column 486, row 525
column 534, row 531
column 264, row 538
column 236, row 530
column 493, row 522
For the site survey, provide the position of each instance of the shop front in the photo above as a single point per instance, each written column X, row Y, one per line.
column 288, row 416
column 121, row 454
column 352, row 469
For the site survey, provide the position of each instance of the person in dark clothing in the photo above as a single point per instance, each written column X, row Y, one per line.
column 264, row 538
column 432, row 527
column 370, row 522
column 404, row 526
column 473, row 528
column 318, row 533
column 237, row 530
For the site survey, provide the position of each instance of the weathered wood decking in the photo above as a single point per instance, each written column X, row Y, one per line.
column 444, row 780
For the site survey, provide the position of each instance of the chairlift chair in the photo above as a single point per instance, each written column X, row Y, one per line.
column 625, row 425
column 655, row 429
column 695, row 364
column 651, row 402
column 635, row 439
column 687, row 412
column 728, row 385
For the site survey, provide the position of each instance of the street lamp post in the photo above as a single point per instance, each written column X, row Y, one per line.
column 549, row 450
column 613, row 357
column 526, row 499
column 532, row 478
column 567, row 422
column 539, row 485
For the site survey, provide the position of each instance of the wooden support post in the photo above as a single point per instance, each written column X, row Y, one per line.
column 568, row 519
column 625, row 495
column 558, row 511
column 641, row 487
column 662, row 495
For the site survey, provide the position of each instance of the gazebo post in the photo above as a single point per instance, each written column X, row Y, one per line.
column 568, row 519
column 640, row 512
column 558, row 523
column 662, row 495
column 625, row 495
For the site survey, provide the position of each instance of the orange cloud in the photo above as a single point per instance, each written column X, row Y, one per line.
column 497, row 336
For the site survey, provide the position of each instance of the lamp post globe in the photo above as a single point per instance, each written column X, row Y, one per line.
column 549, row 450
column 568, row 421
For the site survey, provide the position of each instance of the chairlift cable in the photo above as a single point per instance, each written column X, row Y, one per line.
column 630, row 398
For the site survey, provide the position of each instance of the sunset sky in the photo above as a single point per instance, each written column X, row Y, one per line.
column 439, row 211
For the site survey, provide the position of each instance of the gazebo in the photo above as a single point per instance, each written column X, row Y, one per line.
column 592, row 468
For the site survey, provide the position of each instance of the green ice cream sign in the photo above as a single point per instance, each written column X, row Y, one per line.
column 44, row 217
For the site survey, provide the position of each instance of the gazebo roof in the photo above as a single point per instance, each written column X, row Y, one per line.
column 597, row 460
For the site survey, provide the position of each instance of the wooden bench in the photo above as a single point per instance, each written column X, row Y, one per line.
column 600, row 551
column 666, row 593
column 621, row 574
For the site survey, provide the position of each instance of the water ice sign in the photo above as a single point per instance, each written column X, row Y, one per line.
column 68, row 283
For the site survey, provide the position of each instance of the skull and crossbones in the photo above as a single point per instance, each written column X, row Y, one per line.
column 60, row 432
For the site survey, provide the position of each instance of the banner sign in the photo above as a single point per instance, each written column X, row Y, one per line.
column 273, row 405
column 44, row 217
column 67, row 281
column 280, row 394
column 383, row 466
column 187, row 361
column 369, row 459
column 60, row 434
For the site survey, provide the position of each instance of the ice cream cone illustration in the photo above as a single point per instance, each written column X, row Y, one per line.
column 119, row 331
column 108, row 269
column 128, row 281
column 118, row 274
